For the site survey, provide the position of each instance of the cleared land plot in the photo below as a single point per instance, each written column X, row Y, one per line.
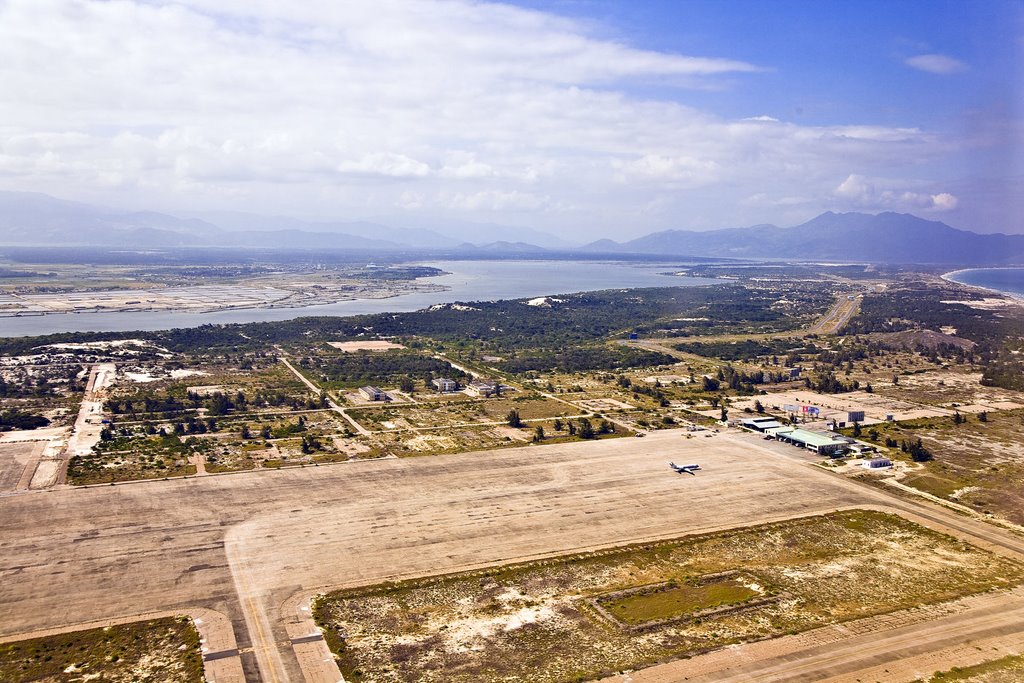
column 980, row 464
column 14, row 458
column 537, row 622
column 835, row 406
column 946, row 387
column 457, row 413
column 157, row 651
column 366, row 345
column 124, row 459
column 461, row 439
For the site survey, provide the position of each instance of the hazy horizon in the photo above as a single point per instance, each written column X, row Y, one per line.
column 584, row 120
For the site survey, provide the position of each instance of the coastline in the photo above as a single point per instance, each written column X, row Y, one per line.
column 1014, row 297
column 290, row 302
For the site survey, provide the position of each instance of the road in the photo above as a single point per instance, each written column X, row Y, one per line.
column 330, row 403
column 253, row 546
column 837, row 316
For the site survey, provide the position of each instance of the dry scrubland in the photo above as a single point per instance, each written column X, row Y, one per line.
column 158, row 651
column 1008, row 669
column 980, row 464
column 580, row 617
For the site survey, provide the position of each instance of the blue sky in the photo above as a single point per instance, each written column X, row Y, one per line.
column 586, row 118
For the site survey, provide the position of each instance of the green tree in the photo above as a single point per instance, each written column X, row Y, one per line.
column 586, row 429
column 513, row 419
column 538, row 434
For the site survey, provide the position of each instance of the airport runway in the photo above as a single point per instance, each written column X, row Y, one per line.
column 251, row 545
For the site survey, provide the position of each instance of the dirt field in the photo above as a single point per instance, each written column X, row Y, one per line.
column 365, row 345
column 550, row 621
column 247, row 544
column 979, row 464
column 836, row 406
column 459, row 413
column 15, row 458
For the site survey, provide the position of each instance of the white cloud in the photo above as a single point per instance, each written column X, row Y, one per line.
column 348, row 109
column 386, row 164
column 880, row 194
column 936, row 64
column 493, row 200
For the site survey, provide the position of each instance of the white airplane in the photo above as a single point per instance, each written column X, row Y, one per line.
column 689, row 469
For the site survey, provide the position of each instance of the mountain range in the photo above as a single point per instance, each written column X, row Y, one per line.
column 35, row 219
column 878, row 238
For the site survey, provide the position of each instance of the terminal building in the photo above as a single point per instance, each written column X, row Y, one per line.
column 823, row 444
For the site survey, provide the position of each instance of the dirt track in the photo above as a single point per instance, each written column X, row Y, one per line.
column 247, row 544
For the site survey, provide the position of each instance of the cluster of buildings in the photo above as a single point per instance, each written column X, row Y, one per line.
column 444, row 385
column 823, row 443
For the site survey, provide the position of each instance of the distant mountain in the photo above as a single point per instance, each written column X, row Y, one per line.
column 301, row 239
column 35, row 219
column 32, row 218
column 504, row 248
column 477, row 233
column 249, row 222
column 885, row 237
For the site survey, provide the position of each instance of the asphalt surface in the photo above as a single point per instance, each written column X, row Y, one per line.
column 245, row 545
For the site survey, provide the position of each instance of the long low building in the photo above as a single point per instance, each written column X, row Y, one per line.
column 760, row 424
column 824, row 444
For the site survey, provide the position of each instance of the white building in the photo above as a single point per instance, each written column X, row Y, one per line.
column 445, row 385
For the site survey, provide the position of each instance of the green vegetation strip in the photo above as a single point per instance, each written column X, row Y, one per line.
column 158, row 651
column 677, row 601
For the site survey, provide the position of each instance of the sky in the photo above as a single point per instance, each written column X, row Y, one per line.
column 585, row 118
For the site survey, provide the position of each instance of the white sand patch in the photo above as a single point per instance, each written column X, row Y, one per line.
column 116, row 343
column 178, row 374
column 141, row 377
column 465, row 633
column 45, row 475
column 987, row 303
column 453, row 307
column 963, row 492
column 365, row 345
column 545, row 301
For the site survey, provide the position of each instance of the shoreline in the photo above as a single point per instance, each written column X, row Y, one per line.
column 285, row 303
column 1014, row 297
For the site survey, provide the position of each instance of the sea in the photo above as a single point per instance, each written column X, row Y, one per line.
column 465, row 280
column 1006, row 280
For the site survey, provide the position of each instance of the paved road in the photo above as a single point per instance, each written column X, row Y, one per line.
column 244, row 544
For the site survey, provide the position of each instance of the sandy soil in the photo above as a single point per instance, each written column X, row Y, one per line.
column 365, row 345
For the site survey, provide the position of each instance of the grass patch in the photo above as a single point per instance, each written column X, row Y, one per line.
column 676, row 601
column 157, row 651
